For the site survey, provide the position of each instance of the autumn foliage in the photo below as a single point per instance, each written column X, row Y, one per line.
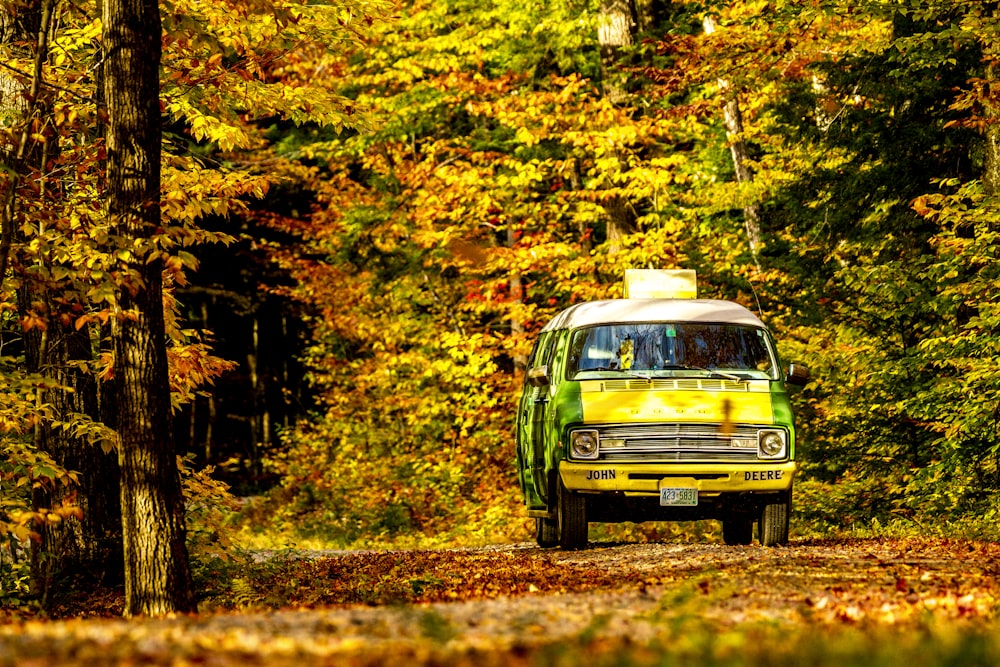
column 433, row 180
column 499, row 184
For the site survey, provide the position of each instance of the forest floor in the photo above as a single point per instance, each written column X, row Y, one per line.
column 817, row 602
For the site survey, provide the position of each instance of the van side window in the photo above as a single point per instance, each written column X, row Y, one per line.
column 542, row 352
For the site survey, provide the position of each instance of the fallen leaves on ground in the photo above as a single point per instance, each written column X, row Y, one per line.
column 513, row 604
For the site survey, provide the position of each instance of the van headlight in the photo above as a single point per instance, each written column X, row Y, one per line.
column 584, row 444
column 771, row 444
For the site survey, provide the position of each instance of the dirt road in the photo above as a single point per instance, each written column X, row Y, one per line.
column 503, row 604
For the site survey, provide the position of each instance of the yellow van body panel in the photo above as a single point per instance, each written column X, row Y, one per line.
column 647, row 478
column 727, row 402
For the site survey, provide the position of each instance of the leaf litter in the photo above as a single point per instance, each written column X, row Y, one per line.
column 513, row 604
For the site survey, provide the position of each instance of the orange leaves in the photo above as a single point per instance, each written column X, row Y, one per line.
column 378, row 578
column 567, row 105
column 192, row 368
column 813, row 587
column 24, row 525
column 33, row 321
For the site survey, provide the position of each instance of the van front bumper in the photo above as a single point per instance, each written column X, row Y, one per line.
column 648, row 478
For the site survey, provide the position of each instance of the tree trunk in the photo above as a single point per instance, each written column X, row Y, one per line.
column 733, row 120
column 516, row 287
column 157, row 572
column 259, row 421
column 652, row 14
column 615, row 33
column 26, row 24
column 621, row 221
column 991, row 166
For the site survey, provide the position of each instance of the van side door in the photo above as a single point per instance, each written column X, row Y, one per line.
column 541, row 377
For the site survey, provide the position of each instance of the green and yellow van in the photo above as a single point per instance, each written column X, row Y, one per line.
column 657, row 407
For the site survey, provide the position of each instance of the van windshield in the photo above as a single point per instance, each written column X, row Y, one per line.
column 670, row 349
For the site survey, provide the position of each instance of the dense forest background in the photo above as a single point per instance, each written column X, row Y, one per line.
column 371, row 208
column 825, row 163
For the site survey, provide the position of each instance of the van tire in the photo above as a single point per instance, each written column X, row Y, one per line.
column 774, row 520
column 571, row 517
column 737, row 528
column 546, row 532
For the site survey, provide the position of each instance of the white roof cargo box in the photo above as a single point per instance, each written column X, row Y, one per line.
column 660, row 284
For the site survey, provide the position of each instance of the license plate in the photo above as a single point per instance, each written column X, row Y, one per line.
column 678, row 497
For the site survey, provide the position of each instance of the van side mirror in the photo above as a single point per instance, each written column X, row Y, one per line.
column 539, row 376
column 798, row 375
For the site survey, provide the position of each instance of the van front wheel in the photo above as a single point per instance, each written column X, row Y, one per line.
column 546, row 532
column 774, row 519
column 571, row 511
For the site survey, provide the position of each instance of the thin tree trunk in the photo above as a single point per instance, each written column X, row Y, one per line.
column 157, row 572
column 991, row 162
column 516, row 287
column 256, row 392
column 91, row 544
column 576, row 184
column 733, row 120
column 616, row 33
column 991, row 167
column 29, row 22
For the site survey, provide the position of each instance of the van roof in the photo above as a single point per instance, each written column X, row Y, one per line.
column 614, row 311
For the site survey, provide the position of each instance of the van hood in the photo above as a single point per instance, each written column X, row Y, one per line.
column 676, row 400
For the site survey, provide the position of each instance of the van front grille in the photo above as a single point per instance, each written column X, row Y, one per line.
column 678, row 442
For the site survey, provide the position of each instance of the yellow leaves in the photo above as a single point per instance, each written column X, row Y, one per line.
column 406, row 71
column 212, row 129
column 524, row 136
column 23, row 524
column 105, row 292
column 72, row 41
column 902, row 609
column 229, row 64
column 191, row 192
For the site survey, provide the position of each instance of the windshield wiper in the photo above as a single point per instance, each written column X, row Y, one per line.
column 684, row 367
column 669, row 367
column 629, row 372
